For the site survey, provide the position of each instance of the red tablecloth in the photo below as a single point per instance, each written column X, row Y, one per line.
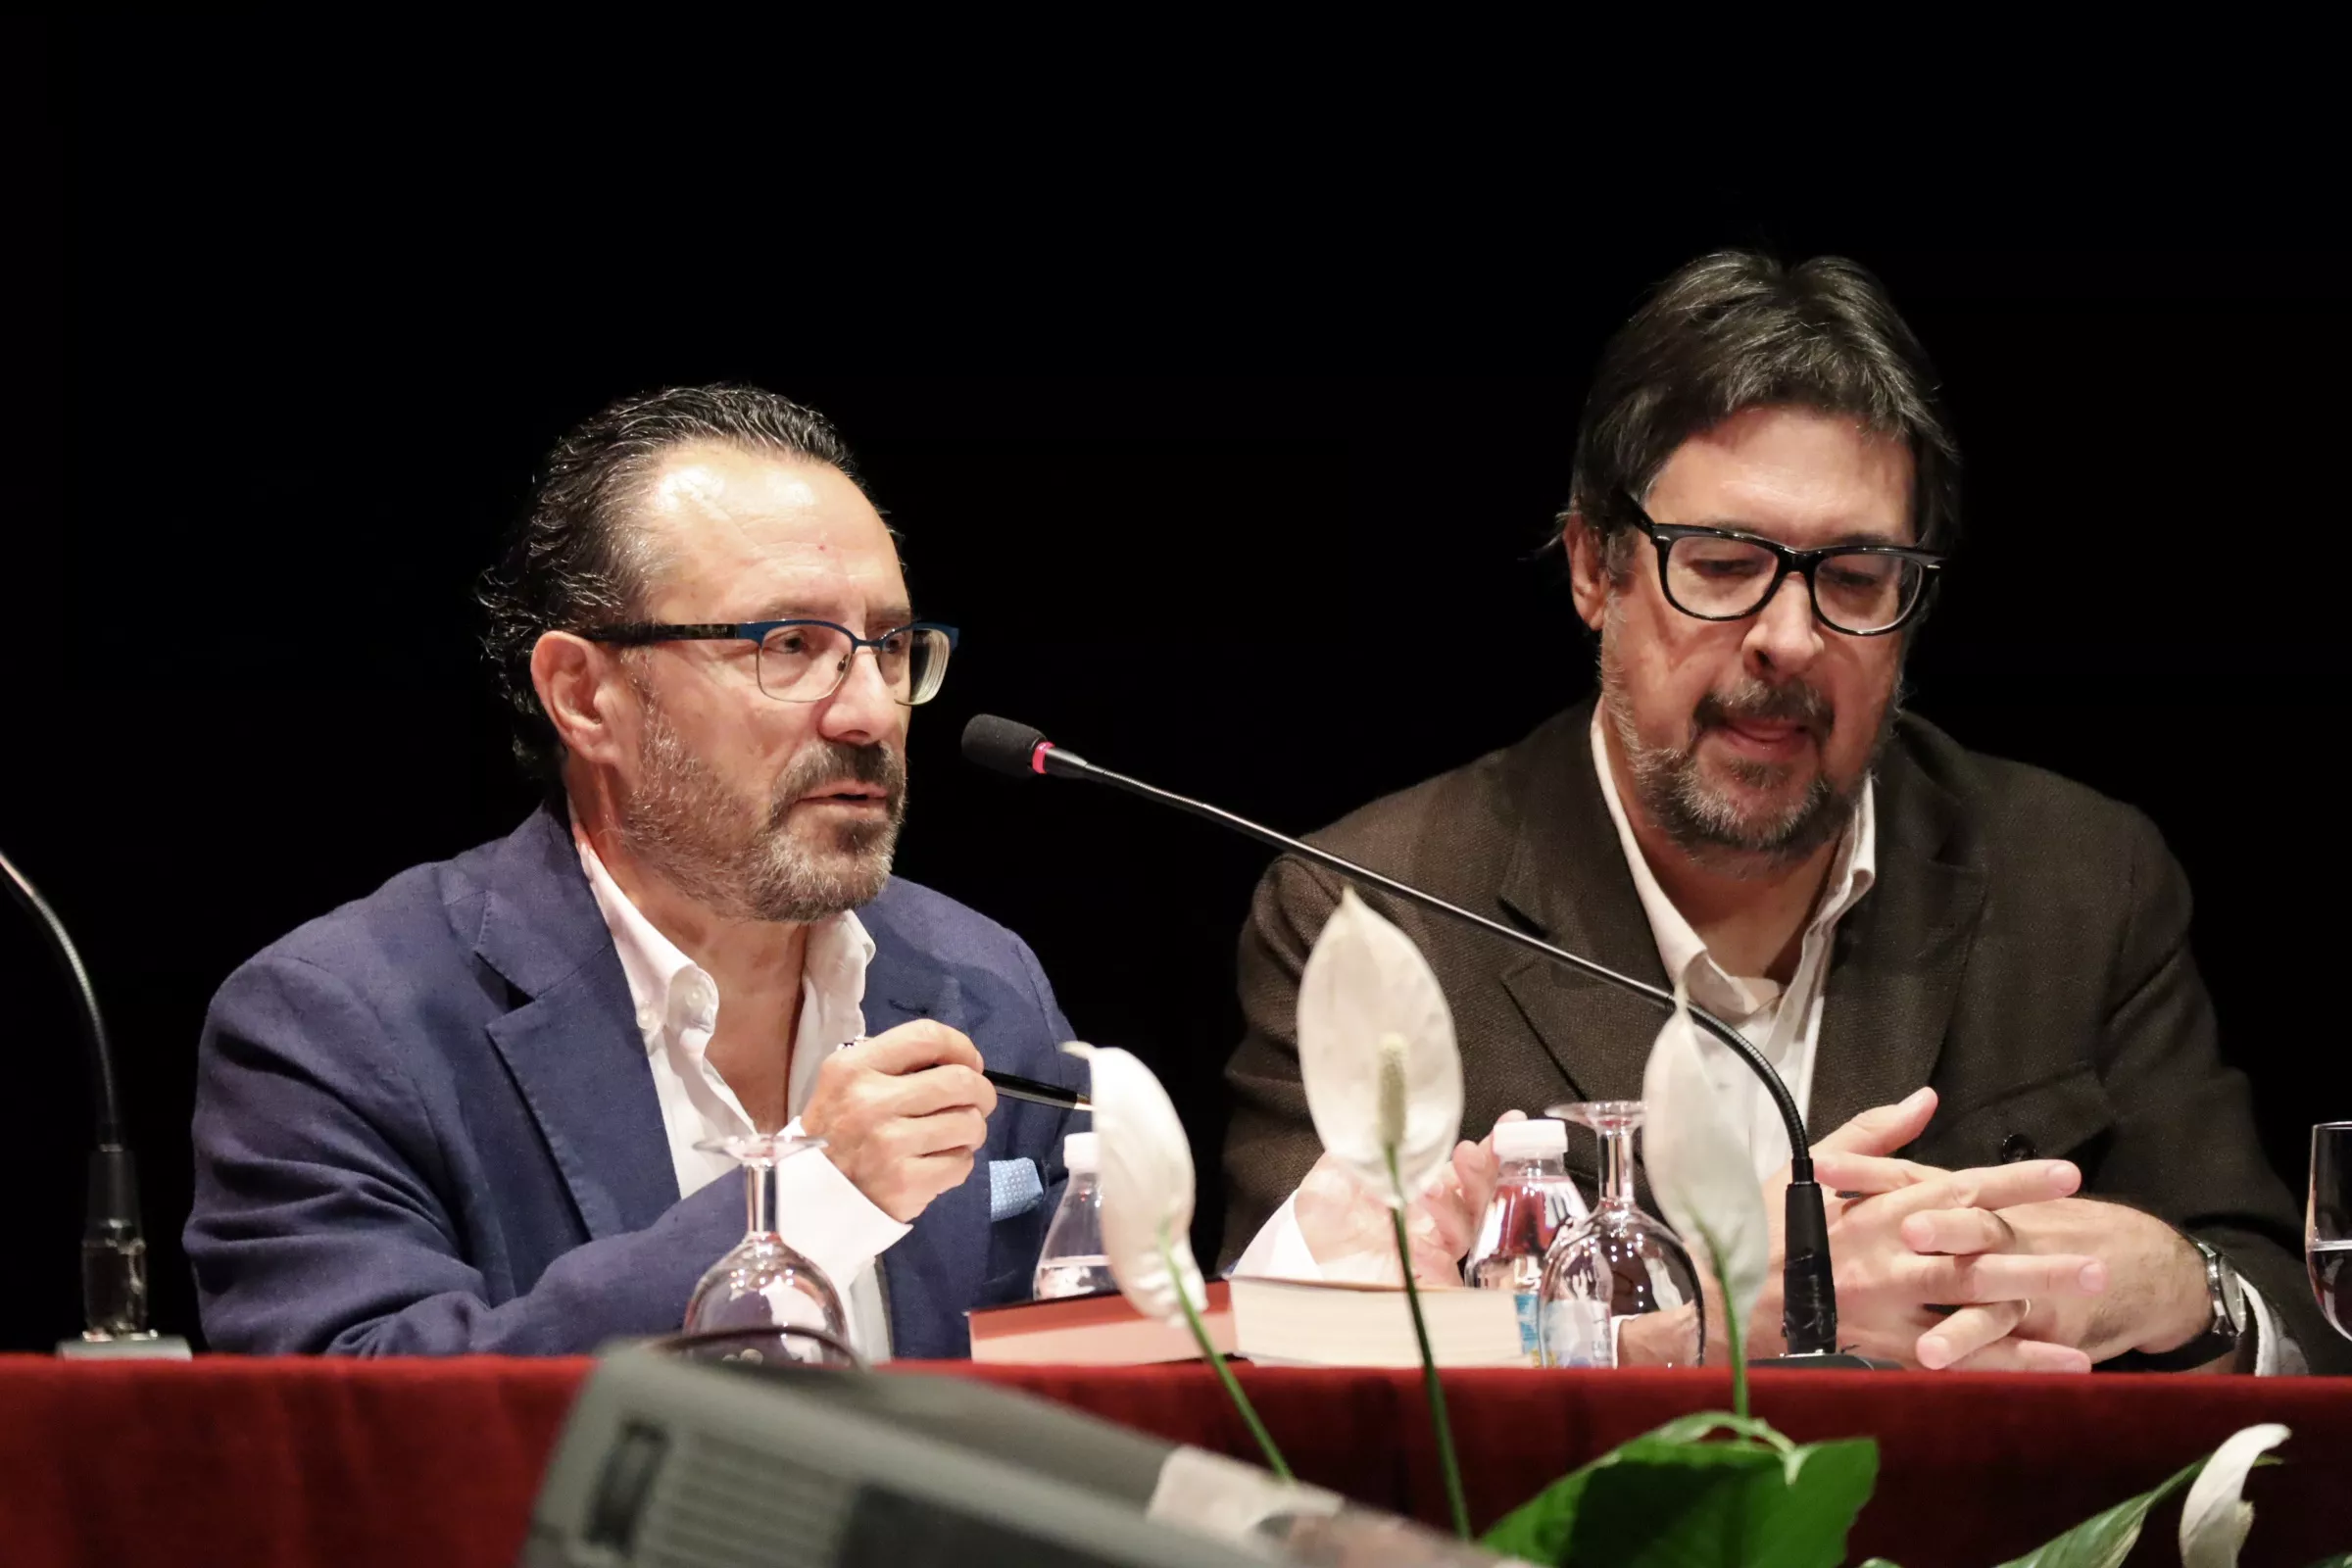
column 264, row 1462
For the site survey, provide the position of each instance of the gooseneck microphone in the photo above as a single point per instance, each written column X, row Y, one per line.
column 114, row 1244
column 1809, row 1315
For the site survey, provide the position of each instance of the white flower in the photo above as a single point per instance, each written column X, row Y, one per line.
column 1146, row 1177
column 1700, row 1164
column 2214, row 1521
column 1376, row 1052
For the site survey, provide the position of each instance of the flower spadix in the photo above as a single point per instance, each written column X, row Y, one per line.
column 1147, row 1178
column 2214, row 1519
column 1700, row 1164
column 1377, row 1053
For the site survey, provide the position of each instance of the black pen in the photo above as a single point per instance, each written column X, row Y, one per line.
column 1013, row 1086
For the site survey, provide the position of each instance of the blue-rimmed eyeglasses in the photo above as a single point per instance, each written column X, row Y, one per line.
column 807, row 661
column 1724, row 574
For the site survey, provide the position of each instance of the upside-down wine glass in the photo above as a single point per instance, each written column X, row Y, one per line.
column 2327, row 1222
column 1619, row 1288
column 764, row 1298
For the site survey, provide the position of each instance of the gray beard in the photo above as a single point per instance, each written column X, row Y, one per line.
column 1709, row 824
column 740, row 858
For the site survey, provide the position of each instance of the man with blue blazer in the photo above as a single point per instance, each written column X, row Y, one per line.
column 470, row 1112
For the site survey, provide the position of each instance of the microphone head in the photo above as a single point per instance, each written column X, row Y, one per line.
column 1001, row 745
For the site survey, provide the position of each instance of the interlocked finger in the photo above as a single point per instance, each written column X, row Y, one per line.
column 2032, row 1181
column 1966, row 1331
column 1971, row 1281
column 1958, row 1231
column 2013, row 1354
column 1869, row 1174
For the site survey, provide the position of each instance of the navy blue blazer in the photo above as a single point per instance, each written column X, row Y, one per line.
column 426, row 1124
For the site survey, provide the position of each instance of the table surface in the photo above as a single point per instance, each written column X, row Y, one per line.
column 300, row 1461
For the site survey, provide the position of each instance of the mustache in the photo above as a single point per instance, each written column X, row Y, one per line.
column 1793, row 703
column 830, row 763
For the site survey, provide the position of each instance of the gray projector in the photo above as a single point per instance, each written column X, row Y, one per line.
column 695, row 1464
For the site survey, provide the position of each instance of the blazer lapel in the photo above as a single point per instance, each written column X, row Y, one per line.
column 1568, row 883
column 1900, row 956
column 572, row 1047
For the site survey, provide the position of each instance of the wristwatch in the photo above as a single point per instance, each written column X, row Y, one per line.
column 2229, row 1325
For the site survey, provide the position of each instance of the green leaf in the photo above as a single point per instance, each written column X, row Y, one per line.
column 2105, row 1539
column 2342, row 1559
column 1691, row 1428
column 1537, row 1531
column 1665, row 1501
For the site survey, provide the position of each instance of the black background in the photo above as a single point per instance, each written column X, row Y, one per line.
column 289, row 352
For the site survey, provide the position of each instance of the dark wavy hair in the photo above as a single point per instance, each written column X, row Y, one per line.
column 576, row 558
column 1738, row 330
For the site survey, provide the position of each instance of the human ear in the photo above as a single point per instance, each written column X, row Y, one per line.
column 577, row 684
column 1587, row 572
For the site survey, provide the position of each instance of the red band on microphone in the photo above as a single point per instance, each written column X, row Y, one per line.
column 1036, row 756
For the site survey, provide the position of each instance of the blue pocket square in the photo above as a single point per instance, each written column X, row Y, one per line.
column 1014, row 1189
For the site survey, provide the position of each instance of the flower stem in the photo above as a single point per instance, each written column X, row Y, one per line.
column 1429, row 1366
column 1210, row 1353
column 1733, row 1329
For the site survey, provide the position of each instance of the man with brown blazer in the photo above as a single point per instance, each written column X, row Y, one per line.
column 1973, row 963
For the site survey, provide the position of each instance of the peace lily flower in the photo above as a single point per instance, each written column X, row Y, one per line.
column 1377, row 1054
column 1147, row 1184
column 1145, row 1172
column 2214, row 1521
column 1702, row 1171
column 1384, row 1083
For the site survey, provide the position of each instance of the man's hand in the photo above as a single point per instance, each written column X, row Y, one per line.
column 1930, row 1273
column 1892, row 1295
column 903, row 1115
column 1349, row 1230
column 1876, row 1132
column 2156, row 1298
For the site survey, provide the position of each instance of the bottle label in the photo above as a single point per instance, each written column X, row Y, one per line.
column 1530, row 1326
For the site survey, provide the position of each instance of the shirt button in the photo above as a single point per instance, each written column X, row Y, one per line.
column 2016, row 1147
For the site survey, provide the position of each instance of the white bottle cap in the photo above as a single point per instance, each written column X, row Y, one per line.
column 1539, row 1139
column 1078, row 1152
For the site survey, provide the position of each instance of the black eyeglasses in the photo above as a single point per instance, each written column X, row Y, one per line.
column 808, row 661
column 1723, row 574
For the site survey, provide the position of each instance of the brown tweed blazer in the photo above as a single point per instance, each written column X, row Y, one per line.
column 2025, row 950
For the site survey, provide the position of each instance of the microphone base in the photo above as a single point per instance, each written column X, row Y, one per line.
column 1829, row 1361
column 126, row 1347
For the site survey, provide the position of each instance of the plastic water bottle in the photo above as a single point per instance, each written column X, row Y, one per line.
column 1534, row 1198
column 1072, row 1262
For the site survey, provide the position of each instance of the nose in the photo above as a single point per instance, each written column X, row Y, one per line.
column 1785, row 637
column 863, row 709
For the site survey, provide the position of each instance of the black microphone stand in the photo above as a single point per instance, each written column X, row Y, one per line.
column 114, row 1244
column 1809, row 1311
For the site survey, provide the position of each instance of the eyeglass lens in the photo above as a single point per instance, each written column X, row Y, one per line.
column 1726, row 578
column 806, row 664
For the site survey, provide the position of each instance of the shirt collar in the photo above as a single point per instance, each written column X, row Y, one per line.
column 1680, row 949
column 670, row 990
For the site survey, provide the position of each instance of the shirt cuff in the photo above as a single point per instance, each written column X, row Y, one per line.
column 2274, row 1354
column 823, row 1216
column 1278, row 1252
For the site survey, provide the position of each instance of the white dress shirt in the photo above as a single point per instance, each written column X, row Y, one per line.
column 819, row 1212
column 1784, row 1022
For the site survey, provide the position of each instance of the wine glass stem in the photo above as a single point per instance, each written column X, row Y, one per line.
column 1617, row 1167
column 759, row 1194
